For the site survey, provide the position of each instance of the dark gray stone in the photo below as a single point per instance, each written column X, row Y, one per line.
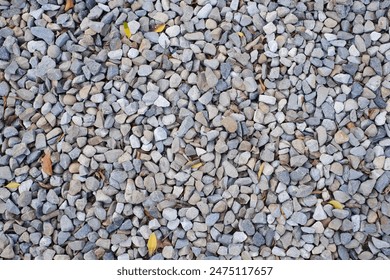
column 258, row 240
column 351, row 68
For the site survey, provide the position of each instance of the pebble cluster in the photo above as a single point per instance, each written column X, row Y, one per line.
column 226, row 134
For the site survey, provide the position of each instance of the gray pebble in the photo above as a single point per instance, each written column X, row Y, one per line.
column 169, row 214
column 186, row 124
column 239, row 237
column 5, row 173
column 24, row 199
column 382, row 182
column 212, row 219
column 8, row 252
column 11, row 207
column 43, row 33
column 160, row 134
column 380, row 244
column 66, row 224
column 299, row 218
column 248, row 227
column 144, row 70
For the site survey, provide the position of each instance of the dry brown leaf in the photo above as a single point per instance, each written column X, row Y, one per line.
column 163, row 243
column 45, row 186
column 282, row 212
column 262, row 86
column 5, row 102
column 152, row 244
column 261, row 168
column 60, row 138
column 147, row 214
column 47, row 165
column 240, row 34
column 99, row 174
column 264, row 195
column 159, row 28
column 69, row 5
column 9, row 120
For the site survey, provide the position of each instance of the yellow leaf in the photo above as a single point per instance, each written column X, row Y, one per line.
column 261, row 168
column 159, row 28
column 127, row 29
column 197, row 165
column 69, row 5
column 240, row 34
column 152, row 244
column 12, row 185
column 47, row 164
column 336, row 204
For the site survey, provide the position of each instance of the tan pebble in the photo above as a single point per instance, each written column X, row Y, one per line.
column 337, row 168
column 85, row 91
column 341, row 137
column 372, row 217
column 230, row 124
column 74, row 167
column 69, row 99
column 211, row 24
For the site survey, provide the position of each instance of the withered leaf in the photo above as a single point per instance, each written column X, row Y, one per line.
column 336, row 204
column 126, row 29
column 316, row 192
column 60, row 138
column 264, row 195
column 69, row 5
column 152, row 244
column 261, row 168
column 163, row 243
column 9, row 120
column 45, row 186
column 159, row 28
column 262, row 86
column 47, row 165
column 99, row 174
column 197, row 165
column 147, row 214
column 12, row 185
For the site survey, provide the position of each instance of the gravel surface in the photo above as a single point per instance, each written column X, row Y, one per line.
column 231, row 129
